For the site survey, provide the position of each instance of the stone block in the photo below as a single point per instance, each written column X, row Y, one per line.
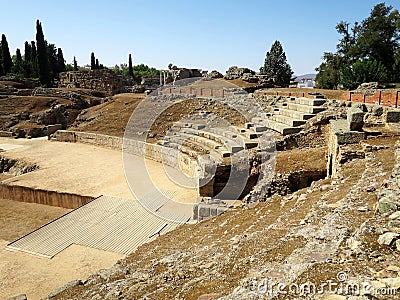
column 355, row 119
column 388, row 238
column 18, row 297
column 385, row 205
column 204, row 211
column 195, row 211
column 392, row 116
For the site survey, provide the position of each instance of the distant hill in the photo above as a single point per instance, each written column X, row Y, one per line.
column 310, row 75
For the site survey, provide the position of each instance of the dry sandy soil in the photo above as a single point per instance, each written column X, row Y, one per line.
column 83, row 169
column 22, row 273
column 63, row 167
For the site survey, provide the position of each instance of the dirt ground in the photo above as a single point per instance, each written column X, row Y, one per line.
column 63, row 167
column 83, row 169
column 22, row 273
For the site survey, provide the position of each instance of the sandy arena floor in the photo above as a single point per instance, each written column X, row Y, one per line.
column 63, row 167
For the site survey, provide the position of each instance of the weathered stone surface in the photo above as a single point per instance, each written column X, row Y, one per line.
column 235, row 73
column 392, row 116
column 18, row 297
column 101, row 80
column 215, row 74
column 388, row 238
column 386, row 205
column 395, row 215
column 60, row 290
column 355, row 119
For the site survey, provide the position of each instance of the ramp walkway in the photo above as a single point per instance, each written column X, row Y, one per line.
column 106, row 223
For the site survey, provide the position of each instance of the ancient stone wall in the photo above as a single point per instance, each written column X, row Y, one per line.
column 52, row 198
column 100, row 80
column 155, row 152
column 389, row 98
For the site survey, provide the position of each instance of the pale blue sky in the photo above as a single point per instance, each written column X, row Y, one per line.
column 206, row 34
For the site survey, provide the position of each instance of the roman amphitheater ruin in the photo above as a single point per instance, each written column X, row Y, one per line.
column 119, row 192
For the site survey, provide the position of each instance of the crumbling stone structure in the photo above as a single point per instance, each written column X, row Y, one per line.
column 101, row 80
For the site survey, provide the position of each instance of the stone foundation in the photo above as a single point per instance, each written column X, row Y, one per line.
column 100, row 80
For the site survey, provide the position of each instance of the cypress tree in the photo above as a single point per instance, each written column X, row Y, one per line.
column 7, row 61
column 18, row 65
column 92, row 61
column 42, row 56
column 60, row 61
column 34, row 61
column 27, row 62
column 97, row 64
column 27, row 52
column 52, row 60
column 130, row 66
column 75, row 64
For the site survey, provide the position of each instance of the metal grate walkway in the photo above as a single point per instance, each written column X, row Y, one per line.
column 106, row 223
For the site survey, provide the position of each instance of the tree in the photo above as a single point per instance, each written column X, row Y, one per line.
column 371, row 46
column 52, row 61
column 60, row 61
column 276, row 66
column 75, row 64
column 352, row 75
column 34, row 61
column 42, row 56
column 97, row 64
column 380, row 35
column 130, row 65
column 328, row 72
column 92, row 61
column 18, row 64
column 7, row 61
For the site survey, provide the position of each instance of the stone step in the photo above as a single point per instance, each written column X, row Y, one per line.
column 303, row 108
column 231, row 146
column 308, row 101
column 246, row 132
column 287, row 120
column 283, row 128
column 193, row 145
column 211, row 144
column 236, row 135
column 293, row 114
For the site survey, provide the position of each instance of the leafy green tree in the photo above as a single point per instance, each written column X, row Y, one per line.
column 371, row 46
column 276, row 66
column 42, row 56
column 7, row 61
column 379, row 36
column 352, row 75
column 143, row 70
column 328, row 72
column 130, row 68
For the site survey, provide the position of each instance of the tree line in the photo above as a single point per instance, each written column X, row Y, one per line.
column 367, row 51
column 41, row 59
